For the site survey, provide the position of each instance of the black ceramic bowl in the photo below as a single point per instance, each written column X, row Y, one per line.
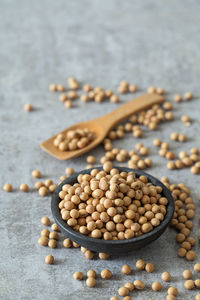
column 110, row 246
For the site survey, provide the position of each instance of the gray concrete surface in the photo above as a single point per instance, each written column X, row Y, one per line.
column 99, row 42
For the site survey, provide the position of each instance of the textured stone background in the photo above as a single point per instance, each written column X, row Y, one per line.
column 100, row 42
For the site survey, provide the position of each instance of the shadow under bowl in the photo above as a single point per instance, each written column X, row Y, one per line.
column 110, row 246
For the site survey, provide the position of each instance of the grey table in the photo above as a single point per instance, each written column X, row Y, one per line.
column 101, row 43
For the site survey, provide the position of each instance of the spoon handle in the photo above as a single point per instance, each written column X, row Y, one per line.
column 126, row 110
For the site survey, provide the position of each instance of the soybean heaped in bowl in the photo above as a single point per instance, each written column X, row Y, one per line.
column 112, row 210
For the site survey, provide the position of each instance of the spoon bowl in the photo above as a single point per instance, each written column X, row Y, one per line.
column 110, row 246
column 97, row 130
column 101, row 126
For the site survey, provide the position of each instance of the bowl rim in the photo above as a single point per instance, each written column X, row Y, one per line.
column 66, row 229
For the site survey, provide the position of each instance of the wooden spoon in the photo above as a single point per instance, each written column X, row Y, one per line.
column 102, row 125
